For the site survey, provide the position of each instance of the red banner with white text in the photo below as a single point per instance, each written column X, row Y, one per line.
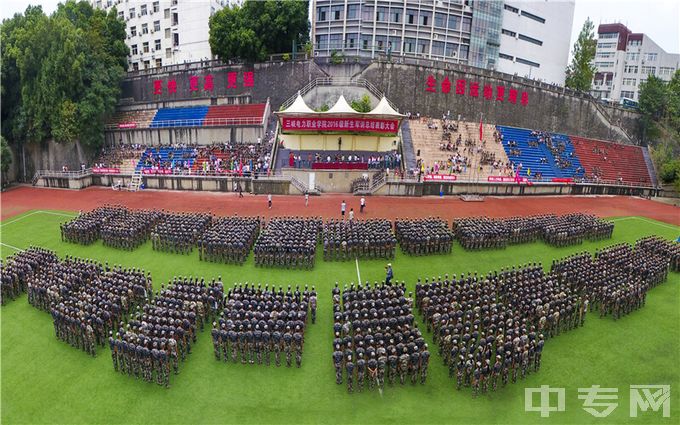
column 350, row 125
column 100, row 170
column 440, row 177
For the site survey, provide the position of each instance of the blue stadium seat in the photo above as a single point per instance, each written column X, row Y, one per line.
column 530, row 157
column 180, row 117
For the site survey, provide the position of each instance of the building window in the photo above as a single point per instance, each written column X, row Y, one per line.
column 145, row 28
column 167, row 33
column 633, row 43
column 131, row 13
column 380, row 42
column 454, row 22
column 394, row 43
column 451, row 50
column 365, row 40
column 367, row 14
column 648, row 70
column 651, row 57
column 425, row 18
column 422, row 46
column 666, row 70
column 321, row 13
column 628, row 94
column 175, row 39
column 504, row 56
column 168, row 52
column 530, row 40
column 336, row 11
column 409, row 45
column 395, row 15
column 467, row 24
column 156, row 7
column 632, row 57
column 147, row 64
column 411, row 16
column 322, row 42
column 135, row 66
column 608, row 36
column 605, row 45
column 440, row 20
column 159, row 62
column 604, row 55
column 351, row 40
column 121, row 14
column 604, row 64
column 175, row 19
column 528, row 62
column 133, row 49
column 352, row 11
column 632, row 69
column 438, row 48
column 629, row 82
column 157, row 26
column 511, row 9
column 145, row 47
column 381, row 14
column 166, row 13
column 508, row 32
column 142, row 10
column 133, row 31
column 532, row 16
column 335, row 42
column 464, row 49
column 158, row 45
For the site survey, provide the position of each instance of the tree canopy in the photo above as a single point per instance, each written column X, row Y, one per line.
column 581, row 69
column 61, row 73
column 660, row 108
column 258, row 28
column 362, row 105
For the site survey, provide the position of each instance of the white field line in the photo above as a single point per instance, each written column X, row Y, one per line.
column 647, row 221
column 11, row 246
column 358, row 274
column 38, row 212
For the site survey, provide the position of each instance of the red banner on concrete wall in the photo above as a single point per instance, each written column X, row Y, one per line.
column 157, row 171
column 350, row 125
column 440, row 177
column 503, row 179
column 127, row 125
column 100, row 170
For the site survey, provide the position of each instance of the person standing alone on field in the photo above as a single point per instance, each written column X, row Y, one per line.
column 389, row 274
column 362, row 204
column 269, row 200
column 306, row 199
column 343, row 207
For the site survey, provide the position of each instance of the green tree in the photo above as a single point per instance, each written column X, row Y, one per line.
column 5, row 156
column 258, row 28
column 362, row 105
column 581, row 69
column 61, row 73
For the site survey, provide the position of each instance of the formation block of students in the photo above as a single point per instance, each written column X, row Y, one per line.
column 258, row 323
column 349, row 239
column 423, row 236
column 288, row 242
column 229, row 239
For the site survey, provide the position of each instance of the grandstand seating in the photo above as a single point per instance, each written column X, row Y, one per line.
column 132, row 119
column 219, row 114
column 165, row 157
column 192, row 116
column 612, row 161
column 428, row 142
column 530, row 156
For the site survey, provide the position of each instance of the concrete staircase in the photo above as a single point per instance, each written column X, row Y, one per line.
column 407, row 146
column 650, row 166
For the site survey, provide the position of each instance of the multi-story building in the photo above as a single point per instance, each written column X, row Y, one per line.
column 535, row 39
column 525, row 38
column 624, row 60
column 164, row 32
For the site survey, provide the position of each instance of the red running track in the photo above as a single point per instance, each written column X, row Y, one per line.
column 23, row 198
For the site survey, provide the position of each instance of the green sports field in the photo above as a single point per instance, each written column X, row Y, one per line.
column 47, row 381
